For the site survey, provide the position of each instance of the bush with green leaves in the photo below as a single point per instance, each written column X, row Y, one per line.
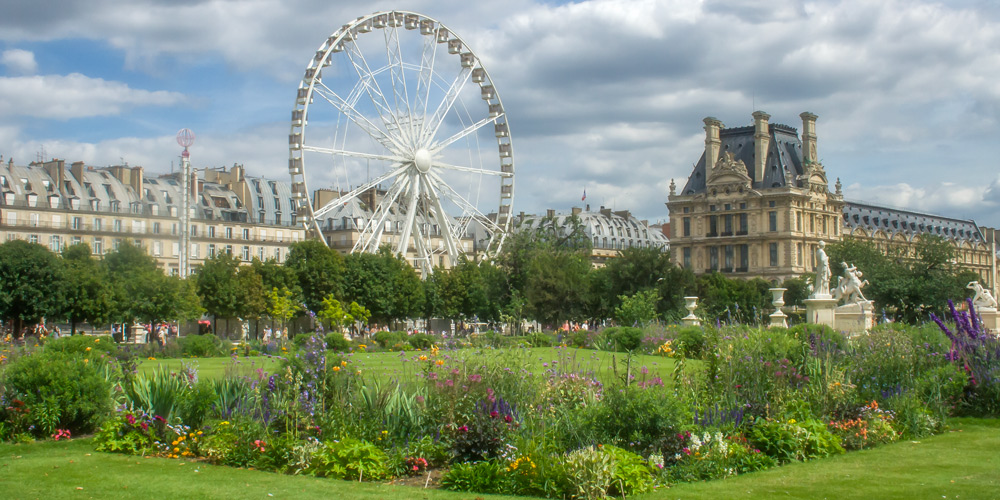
column 337, row 342
column 707, row 456
column 794, row 440
column 913, row 419
column 632, row 474
column 202, row 346
column 421, row 341
column 644, row 421
column 87, row 345
column 690, row 341
column 476, row 477
column 590, row 472
column 626, row 338
column 56, row 390
column 386, row 340
column 350, row 458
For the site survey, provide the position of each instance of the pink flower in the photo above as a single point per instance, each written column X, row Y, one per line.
column 130, row 418
column 416, row 468
column 508, row 419
column 449, row 382
column 494, row 414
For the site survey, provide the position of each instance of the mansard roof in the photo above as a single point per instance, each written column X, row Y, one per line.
column 784, row 158
column 893, row 221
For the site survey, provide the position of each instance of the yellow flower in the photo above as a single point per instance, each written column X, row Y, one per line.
column 362, row 346
column 434, row 350
column 176, row 450
column 423, row 358
column 226, row 422
column 336, row 368
column 358, row 372
column 88, row 349
column 439, row 362
column 792, row 421
column 86, row 361
column 343, row 363
column 97, row 341
column 151, row 358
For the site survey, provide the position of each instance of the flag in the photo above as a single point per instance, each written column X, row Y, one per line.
column 584, row 194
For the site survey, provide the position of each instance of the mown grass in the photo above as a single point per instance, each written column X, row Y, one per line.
column 404, row 366
column 962, row 463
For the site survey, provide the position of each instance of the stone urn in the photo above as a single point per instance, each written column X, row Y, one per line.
column 778, row 318
column 691, row 304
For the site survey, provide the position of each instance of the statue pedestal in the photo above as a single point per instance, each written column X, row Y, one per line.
column 854, row 318
column 820, row 310
column 779, row 318
column 991, row 319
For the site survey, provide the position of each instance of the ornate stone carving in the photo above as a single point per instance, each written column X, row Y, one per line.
column 821, row 285
column 849, row 286
column 982, row 299
column 729, row 174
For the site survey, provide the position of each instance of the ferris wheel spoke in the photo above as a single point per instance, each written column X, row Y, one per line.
column 382, row 212
column 431, row 127
column 464, row 132
column 473, row 170
column 464, row 204
column 372, row 88
column 333, row 205
column 428, row 56
column 446, row 225
column 398, row 79
column 359, row 119
column 354, row 154
column 411, row 215
column 423, row 254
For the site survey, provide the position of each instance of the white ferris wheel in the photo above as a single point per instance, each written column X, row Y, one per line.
column 400, row 131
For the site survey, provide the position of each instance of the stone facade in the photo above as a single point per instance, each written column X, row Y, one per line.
column 759, row 201
column 55, row 206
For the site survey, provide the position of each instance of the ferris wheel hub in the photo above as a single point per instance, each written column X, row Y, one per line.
column 422, row 160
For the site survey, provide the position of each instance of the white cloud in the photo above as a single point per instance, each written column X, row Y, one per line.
column 74, row 96
column 19, row 62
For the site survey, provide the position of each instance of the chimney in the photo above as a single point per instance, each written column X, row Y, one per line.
column 550, row 213
column 77, row 170
column 57, row 172
column 136, row 181
column 809, row 137
column 577, row 210
column 761, row 143
column 712, row 141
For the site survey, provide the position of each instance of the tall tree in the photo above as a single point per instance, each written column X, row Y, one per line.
column 319, row 269
column 218, row 287
column 31, row 279
column 383, row 283
column 89, row 295
column 556, row 290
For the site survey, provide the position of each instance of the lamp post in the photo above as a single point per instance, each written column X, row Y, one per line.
column 185, row 138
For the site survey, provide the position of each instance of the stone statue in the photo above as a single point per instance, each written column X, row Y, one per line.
column 850, row 285
column 821, row 286
column 983, row 299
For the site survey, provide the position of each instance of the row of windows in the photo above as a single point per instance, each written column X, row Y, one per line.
column 140, row 226
column 57, row 243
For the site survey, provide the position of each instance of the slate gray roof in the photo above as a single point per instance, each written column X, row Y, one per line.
column 784, row 157
column 894, row 221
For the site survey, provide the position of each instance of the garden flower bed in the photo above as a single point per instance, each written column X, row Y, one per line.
column 557, row 422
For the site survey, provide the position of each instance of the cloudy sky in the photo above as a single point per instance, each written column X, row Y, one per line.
column 602, row 95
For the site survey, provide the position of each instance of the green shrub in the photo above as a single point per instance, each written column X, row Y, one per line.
column 580, row 338
column 626, row 338
column 476, row 477
column 421, row 341
column 913, row 420
column 236, row 444
column 941, row 389
column 792, row 440
column 387, row 339
column 83, row 344
column 57, row 390
column 810, row 334
column 125, row 433
column 644, row 421
column 337, row 342
column 589, row 472
column 632, row 474
column 350, row 459
column 541, row 339
column 301, row 339
column 708, row 456
column 202, row 346
column 690, row 341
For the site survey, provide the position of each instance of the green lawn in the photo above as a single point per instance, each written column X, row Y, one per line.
column 962, row 463
column 403, row 365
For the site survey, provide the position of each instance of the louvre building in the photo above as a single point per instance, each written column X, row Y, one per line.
column 758, row 202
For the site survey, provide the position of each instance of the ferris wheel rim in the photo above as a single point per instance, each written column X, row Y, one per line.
column 422, row 158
